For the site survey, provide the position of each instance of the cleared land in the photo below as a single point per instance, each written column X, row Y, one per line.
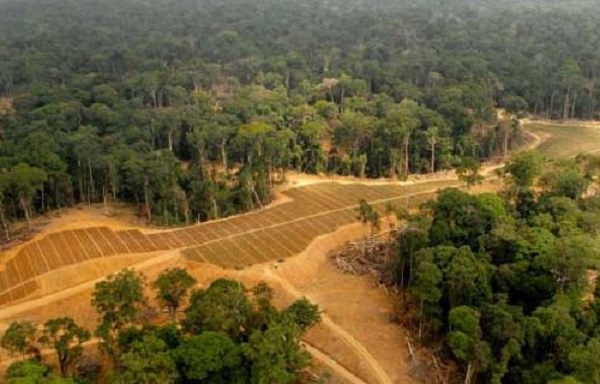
column 275, row 233
column 565, row 140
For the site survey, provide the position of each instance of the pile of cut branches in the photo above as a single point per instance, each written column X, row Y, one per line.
column 369, row 257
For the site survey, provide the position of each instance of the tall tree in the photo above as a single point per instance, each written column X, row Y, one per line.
column 465, row 341
column 118, row 300
column 147, row 362
column 172, row 287
column 66, row 338
column 18, row 337
column 25, row 181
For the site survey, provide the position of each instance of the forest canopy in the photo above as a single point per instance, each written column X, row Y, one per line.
column 506, row 284
column 193, row 109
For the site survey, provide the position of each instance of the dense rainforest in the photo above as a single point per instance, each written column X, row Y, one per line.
column 193, row 109
column 507, row 284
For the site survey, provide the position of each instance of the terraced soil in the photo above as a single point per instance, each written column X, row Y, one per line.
column 270, row 234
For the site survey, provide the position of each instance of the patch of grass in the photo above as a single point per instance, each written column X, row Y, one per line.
column 566, row 141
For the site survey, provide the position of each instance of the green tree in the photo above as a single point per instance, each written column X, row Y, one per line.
column 468, row 171
column 464, row 340
column 210, row 357
column 118, row 300
column 32, row 372
column 427, row 289
column 86, row 147
column 147, row 362
column 524, row 168
column 584, row 361
column 432, row 135
column 369, row 216
column 409, row 115
column 556, row 328
column 66, row 338
column 467, row 280
column 303, row 313
column 462, row 219
column 172, row 288
column 222, row 307
column 275, row 354
column 18, row 337
column 25, row 181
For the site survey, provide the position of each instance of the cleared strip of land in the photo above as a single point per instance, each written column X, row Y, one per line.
column 562, row 140
column 277, row 232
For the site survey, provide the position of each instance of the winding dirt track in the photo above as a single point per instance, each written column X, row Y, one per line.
column 378, row 371
column 333, row 365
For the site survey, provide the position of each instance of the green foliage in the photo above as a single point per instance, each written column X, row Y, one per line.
column 464, row 334
column 114, row 117
column 32, row 372
column 506, row 282
column 565, row 380
column 229, row 335
column 241, row 338
column 369, row 216
column 223, row 307
column 304, row 314
column 467, row 279
column 427, row 289
column 118, row 300
column 66, row 338
column 275, row 354
column 462, row 219
column 565, row 179
column 172, row 287
column 524, row 168
column 147, row 362
column 468, row 171
column 210, row 357
column 94, row 112
column 584, row 361
column 18, row 337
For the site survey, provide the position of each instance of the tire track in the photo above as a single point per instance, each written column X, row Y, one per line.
column 332, row 364
column 354, row 344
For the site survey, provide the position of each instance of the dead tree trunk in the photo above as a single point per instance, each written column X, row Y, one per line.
column 433, row 157
column 470, row 372
column 4, row 224
column 25, row 208
column 92, row 189
column 80, row 181
column 566, row 105
column 147, row 199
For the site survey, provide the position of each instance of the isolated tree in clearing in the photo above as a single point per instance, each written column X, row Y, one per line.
column 18, row 337
column 66, row 338
column 172, row 288
column 118, row 300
